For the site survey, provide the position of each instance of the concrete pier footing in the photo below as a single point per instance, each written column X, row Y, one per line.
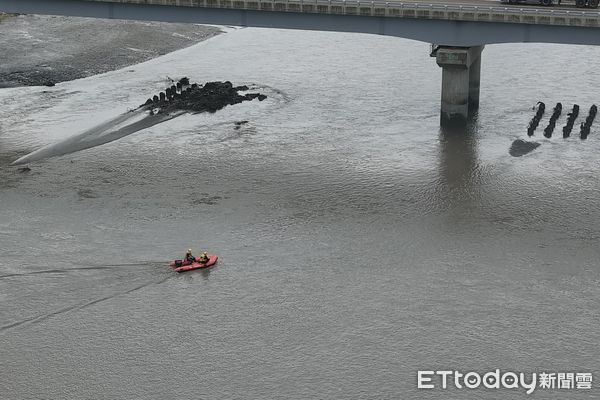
column 461, row 69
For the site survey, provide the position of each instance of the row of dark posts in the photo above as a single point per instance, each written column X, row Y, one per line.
column 585, row 126
column 571, row 117
column 552, row 123
column 533, row 124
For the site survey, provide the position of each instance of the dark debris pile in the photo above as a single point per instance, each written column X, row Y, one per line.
column 210, row 97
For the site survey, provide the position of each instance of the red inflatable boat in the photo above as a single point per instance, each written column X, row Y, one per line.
column 181, row 263
column 183, row 266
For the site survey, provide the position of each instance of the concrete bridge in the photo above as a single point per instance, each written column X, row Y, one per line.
column 459, row 30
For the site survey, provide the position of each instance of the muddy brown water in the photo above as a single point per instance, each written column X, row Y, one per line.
column 358, row 244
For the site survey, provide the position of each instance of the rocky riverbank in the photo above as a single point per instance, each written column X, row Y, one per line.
column 44, row 50
column 4, row 15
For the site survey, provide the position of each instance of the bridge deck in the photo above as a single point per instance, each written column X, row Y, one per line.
column 450, row 24
column 414, row 10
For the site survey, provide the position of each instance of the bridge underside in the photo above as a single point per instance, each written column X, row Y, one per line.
column 444, row 32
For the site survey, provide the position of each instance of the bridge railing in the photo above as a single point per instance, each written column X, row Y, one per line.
column 392, row 9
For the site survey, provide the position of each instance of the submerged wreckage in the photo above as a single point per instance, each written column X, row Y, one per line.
column 210, row 97
column 521, row 147
column 179, row 99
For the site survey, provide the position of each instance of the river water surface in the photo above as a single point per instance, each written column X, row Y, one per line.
column 358, row 244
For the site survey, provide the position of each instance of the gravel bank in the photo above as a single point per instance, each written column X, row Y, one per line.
column 40, row 50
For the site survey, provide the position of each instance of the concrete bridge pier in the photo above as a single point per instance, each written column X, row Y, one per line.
column 461, row 68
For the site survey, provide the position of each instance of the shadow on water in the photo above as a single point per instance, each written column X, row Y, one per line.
column 192, row 274
column 458, row 161
column 205, row 272
column 521, row 147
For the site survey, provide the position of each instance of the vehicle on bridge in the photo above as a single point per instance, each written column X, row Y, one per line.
column 578, row 3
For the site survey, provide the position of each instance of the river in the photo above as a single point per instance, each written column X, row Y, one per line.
column 358, row 243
